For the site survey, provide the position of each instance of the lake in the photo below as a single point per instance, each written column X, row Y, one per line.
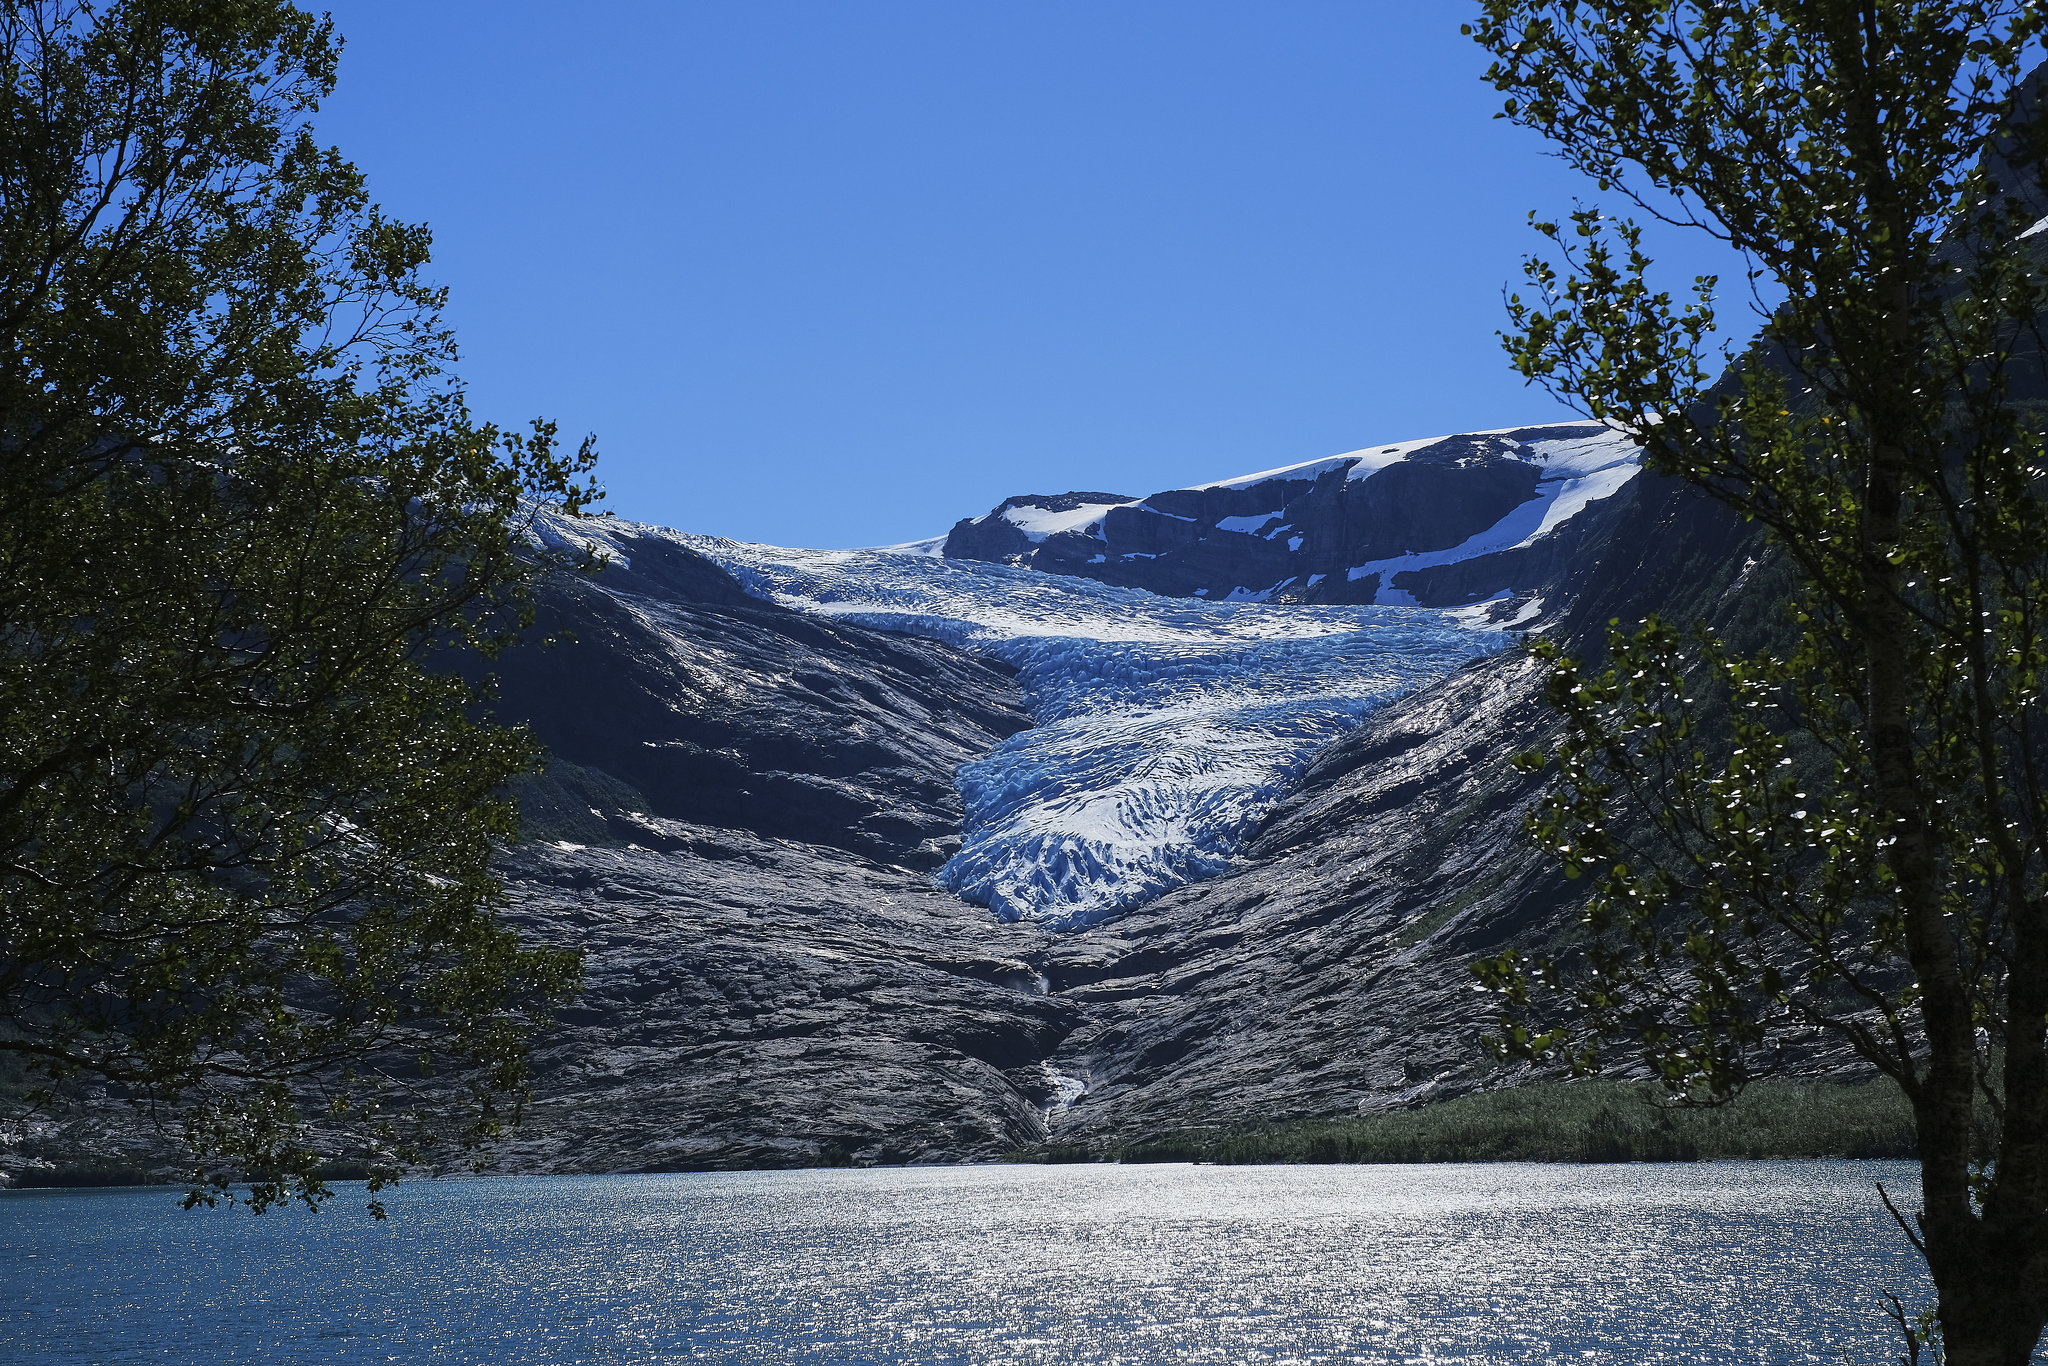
column 1725, row 1262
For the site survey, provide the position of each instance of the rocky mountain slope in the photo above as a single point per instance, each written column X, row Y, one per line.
column 737, row 829
column 764, row 994
column 1440, row 522
column 748, row 808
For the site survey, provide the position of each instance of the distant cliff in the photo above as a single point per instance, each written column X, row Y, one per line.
column 1442, row 522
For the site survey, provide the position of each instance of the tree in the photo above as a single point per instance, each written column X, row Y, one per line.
column 245, row 823
column 1845, row 829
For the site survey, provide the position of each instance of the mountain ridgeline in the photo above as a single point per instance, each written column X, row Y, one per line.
column 738, row 827
column 1437, row 523
column 768, row 766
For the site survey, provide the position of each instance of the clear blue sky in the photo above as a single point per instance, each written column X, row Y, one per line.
column 839, row 272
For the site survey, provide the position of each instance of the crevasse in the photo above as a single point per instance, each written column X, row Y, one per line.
column 1165, row 727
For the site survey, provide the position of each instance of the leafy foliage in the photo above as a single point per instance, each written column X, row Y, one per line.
column 244, row 827
column 1572, row 1121
column 1847, row 831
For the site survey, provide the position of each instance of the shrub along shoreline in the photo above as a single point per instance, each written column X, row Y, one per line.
column 1577, row 1121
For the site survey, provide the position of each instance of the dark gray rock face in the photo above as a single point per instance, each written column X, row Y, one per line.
column 1302, row 535
column 734, row 830
column 761, row 998
column 671, row 693
column 997, row 539
column 755, row 1003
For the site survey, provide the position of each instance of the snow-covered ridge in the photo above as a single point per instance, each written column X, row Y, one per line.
column 1575, row 473
column 1165, row 727
column 1038, row 523
column 1360, row 464
column 1568, row 458
column 1387, row 524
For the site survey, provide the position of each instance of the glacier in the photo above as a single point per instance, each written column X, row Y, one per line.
column 1165, row 727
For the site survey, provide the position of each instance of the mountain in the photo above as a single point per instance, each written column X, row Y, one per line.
column 1441, row 522
column 737, row 828
column 901, row 857
column 1233, row 872
column 1141, row 813
column 1164, row 728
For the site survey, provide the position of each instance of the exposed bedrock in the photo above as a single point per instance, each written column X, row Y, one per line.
column 1331, row 531
column 756, row 1003
column 767, row 991
column 735, row 829
column 774, row 979
column 704, row 705
column 1000, row 540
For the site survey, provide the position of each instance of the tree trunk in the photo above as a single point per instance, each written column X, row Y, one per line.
column 1990, row 1315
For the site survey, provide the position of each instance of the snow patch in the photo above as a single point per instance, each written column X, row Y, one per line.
column 1481, row 616
column 931, row 547
column 1038, row 523
column 577, row 536
column 1576, row 454
column 1361, row 464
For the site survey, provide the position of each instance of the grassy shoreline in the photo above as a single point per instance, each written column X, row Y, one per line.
column 1581, row 1121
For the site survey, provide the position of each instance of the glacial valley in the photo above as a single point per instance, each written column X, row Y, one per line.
column 1092, row 820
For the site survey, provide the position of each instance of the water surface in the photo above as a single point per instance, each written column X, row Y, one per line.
column 1753, row 1263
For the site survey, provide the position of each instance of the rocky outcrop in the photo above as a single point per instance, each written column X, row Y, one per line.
column 1446, row 522
column 735, row 829
column 668, row 692
column 1011, row 534
column 756, row 1003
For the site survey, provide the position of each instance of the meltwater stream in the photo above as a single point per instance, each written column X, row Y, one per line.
column 1165, row 726
column 1762, row 1264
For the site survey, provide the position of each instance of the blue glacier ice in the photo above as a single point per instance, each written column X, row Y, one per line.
column 1165, row 727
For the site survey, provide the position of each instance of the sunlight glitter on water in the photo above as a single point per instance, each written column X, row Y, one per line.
column 995, row 1266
